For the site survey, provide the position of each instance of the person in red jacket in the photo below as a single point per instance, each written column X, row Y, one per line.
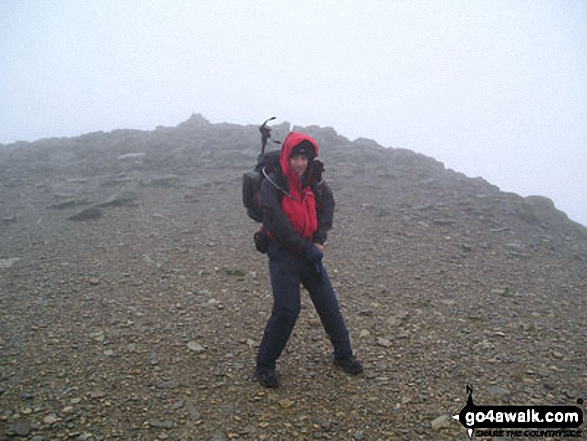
column 298, row 209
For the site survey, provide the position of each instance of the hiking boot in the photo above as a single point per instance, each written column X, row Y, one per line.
column 267, row 379
column 351, row 366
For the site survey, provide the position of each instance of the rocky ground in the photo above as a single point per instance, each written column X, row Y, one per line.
column 139, row 319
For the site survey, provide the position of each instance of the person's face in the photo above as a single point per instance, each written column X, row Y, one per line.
column 298, row 163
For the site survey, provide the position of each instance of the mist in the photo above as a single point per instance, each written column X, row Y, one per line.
column 496, row 89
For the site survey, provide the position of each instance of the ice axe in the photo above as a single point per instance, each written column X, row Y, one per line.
column 266, row 134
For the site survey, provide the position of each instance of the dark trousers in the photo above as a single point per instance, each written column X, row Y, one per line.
column 287, row 272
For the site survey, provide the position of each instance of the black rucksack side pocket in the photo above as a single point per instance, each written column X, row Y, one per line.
column 251, row 183
column 261, row 241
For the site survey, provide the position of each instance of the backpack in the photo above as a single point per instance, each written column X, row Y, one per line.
column 266, row 163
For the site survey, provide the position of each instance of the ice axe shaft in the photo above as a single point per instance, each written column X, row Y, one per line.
column 265, row 133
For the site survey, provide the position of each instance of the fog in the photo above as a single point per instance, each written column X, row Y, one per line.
column 496, row 89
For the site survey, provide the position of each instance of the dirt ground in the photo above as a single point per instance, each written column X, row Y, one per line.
column 142, row 321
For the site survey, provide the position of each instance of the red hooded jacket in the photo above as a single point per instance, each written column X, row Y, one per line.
column 294, row 212
column 300, row 208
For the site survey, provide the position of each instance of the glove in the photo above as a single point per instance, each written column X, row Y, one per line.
column 312, row 254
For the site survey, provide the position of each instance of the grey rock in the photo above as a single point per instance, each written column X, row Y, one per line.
column 7, row 263
column 193, row 412
column 97, row 394
column 166, row 384
column 69, row 203
column 161, row 424
column 217, row 436
column 88, row 214
column 196, row 347
column 22, row 429
column 114, row 182
column 119, row 199
column 153, row 360
column 515, row 246
column 178, row 405
column 498, row 392
column 130, row 156
column 163, row 181
column 442, row 422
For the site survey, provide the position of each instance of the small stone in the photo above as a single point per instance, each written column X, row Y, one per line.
column 217, row 436
column 196, row 347
column 285, row 403
column 88, row 214
column 94, row 281
column 384, row 342
column 194, row 414
column 26, row 395
column 22, row 429
column 7, row 263
column 250, row 343
column 177, row 405
column 97, row 394
column 498, row 392
column 365, row 333
column 98, row 336
column 393, row 322
column 50, row 419
column 153, row 360
column 442, row 422
column 166, row 384
column 161, row 424
column 122, row 198
column 130, row 155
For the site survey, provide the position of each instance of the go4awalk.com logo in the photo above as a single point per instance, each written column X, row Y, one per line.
column 521, row 421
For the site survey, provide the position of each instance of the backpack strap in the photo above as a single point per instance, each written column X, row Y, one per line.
column 282, row 190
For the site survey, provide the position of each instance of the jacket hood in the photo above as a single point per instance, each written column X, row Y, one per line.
column 290, row 141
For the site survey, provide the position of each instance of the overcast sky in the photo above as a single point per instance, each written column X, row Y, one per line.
column 494, row 88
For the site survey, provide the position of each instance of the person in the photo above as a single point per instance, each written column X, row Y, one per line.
column 298, row 209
